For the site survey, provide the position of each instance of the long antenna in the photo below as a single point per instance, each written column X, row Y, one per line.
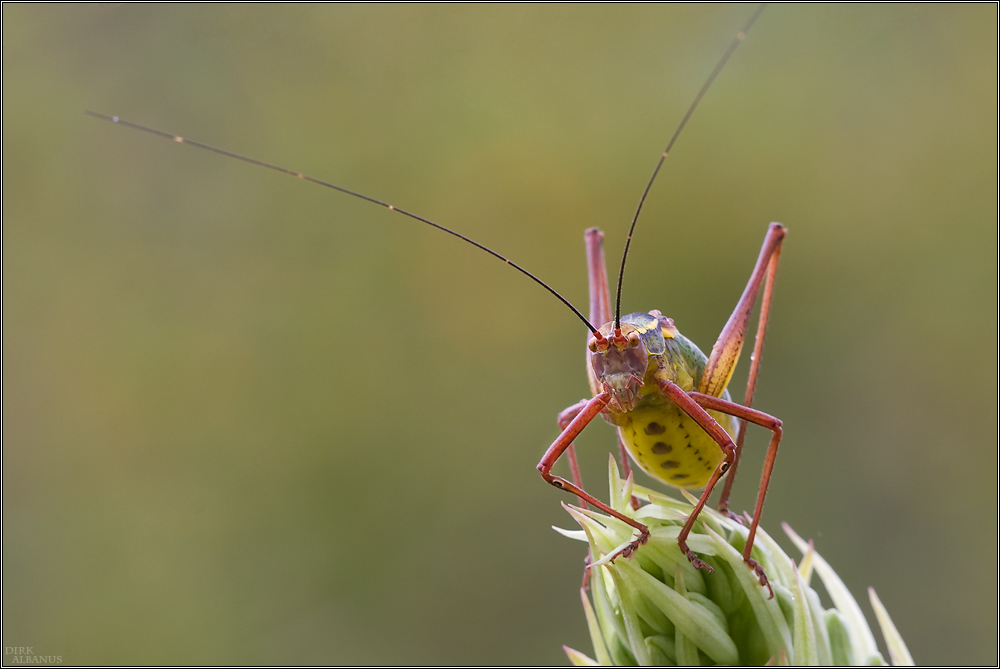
column 704, row 89
column 299, row 175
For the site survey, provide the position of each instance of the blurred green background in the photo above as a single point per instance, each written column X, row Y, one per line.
column 246, row 419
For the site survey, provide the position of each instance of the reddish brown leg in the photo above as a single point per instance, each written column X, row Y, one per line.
column 721, row 437
column 600, row 313
column 727, row 349
column 597, row 274
column 562, row 442
column 774, row 425
column 563, row 420
column 758, row 349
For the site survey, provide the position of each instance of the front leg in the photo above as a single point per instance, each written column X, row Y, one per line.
column 562, row 443
column 774, row 425
column 563, row 420
column 721, row 437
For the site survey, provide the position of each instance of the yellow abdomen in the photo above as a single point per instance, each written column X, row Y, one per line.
column 669, row 445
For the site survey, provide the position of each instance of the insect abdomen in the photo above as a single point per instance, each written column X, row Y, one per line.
column 669, row 445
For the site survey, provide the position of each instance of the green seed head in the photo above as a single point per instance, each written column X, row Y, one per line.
column 656, row 609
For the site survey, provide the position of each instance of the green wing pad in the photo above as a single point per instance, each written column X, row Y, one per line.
column 648, row 327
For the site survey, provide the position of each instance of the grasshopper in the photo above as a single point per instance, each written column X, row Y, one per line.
column 668, row 400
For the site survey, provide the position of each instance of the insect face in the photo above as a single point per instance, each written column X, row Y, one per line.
column 619, row 360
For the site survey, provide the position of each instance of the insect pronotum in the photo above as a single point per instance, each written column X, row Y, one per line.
column 668, row 400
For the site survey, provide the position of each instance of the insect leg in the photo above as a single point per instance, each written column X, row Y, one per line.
column 774, row 425
column 600, row 313
column 562, row 442
column 721, row 437
column 727, row 349
column 564, row 418
column 597, row 273
column 600, row 309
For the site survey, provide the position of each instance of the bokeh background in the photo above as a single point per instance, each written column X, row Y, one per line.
column 246, row 419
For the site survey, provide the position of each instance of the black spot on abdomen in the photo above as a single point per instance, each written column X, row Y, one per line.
column 655, row 428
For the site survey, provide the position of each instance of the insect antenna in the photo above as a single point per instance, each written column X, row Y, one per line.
column 305, row 177
column 704, row 89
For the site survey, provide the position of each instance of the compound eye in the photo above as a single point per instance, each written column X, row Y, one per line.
column 633, row 339
column 592, row 345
